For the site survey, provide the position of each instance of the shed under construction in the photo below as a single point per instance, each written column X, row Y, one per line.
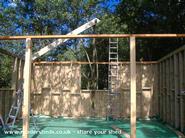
column 142, row 90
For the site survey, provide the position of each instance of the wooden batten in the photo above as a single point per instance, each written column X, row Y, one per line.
column 162, row 95
column 183, row 106
column 167, row 91
column 27, row 88
column 20, row 74
column 93, row 36
column 181, row 77
column 171, row 91
column 160, row 90
column 86, row 63
column 176, row 91
column 133, row 86
column 15, row 74
column 164, row 90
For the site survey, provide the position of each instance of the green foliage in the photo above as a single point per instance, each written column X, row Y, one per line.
column 152, row 16
column 38, row 17
column 5, row 71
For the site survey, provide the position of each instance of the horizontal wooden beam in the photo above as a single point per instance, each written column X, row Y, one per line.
column 6, row 89
column 92, row 36
column 79, row 62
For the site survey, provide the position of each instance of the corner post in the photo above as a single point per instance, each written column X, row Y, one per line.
column 133, row 86
column 27, row 88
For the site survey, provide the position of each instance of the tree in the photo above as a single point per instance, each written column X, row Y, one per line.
column 153, row 16
column 5, row 71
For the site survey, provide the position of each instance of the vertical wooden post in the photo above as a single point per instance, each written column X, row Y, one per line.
column 160, row 90
column 164, row 92
column 176, row 91
column 27, row 88
column 181, row 75
column 133, row 86
column 20, row 77
column 171, row 91
column 183, row 98
column 167, row 91
column 15, row 74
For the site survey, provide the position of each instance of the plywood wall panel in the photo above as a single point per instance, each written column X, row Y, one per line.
column 57, row 87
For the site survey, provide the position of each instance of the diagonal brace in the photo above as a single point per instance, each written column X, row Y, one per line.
column 58, row 42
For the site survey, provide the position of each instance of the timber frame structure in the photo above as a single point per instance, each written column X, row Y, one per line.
column 28, row 62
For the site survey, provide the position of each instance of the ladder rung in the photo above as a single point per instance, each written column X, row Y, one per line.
column 113, row 47
column 110, row 42
column 113, row 53
column 113, row 66
column 113, row 58
column 15, row 107
column 12, row 116
column 113, row 63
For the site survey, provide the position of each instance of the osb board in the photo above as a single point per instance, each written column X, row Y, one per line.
column 56, row 77
column 81, row 105
column 57, row 90
column 144, row 77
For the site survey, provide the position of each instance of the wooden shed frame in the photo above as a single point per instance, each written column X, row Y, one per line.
column 28, row 62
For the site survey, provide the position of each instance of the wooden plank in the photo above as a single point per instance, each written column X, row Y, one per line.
column 15, row 75
column 58, row 42
column 167, row 92
column 160, row 90
column 83, row 62
column 181, row 77
column 20, row 79
column 93, row 36
column 172, row 86
column 162, row 85
column 27, row 88
column 6, row 89
column 133, row 86
column 20, row 74
column 184, row 89
column 164, row 90
column 176, row 91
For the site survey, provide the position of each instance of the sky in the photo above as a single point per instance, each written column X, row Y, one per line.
column 111, row 4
